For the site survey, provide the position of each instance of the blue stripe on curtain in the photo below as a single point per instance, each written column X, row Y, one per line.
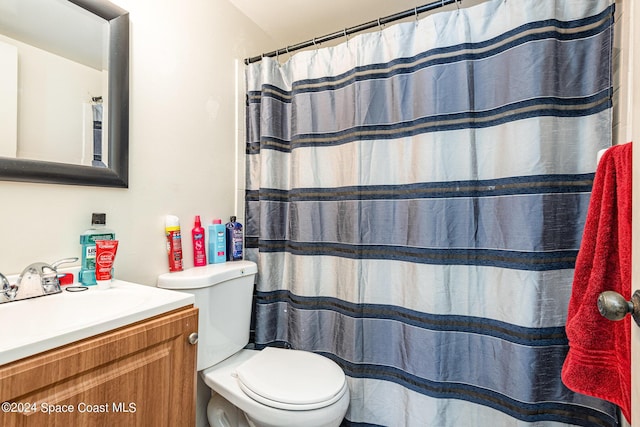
column 478, row 188
column 415, row 204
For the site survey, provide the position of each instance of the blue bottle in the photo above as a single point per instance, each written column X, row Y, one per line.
column 97, row 231
column 234, row 240
column 217, row 242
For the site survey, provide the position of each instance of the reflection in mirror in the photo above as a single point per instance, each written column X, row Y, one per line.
column 64, row 92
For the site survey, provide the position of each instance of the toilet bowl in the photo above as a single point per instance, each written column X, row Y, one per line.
column 277, row 387
column 273, row 387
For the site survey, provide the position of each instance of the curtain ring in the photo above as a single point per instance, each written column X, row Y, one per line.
column 458, row 4
column 379, row 24
column 346, row 36
column 314, row 43
column 415, row 10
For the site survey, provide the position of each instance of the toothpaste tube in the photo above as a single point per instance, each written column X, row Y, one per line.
column 105, row 255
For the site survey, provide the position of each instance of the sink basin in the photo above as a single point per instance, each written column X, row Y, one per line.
column 66, row 311
column 43, row 323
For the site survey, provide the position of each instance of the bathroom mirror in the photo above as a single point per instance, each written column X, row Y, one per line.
column 112, row 25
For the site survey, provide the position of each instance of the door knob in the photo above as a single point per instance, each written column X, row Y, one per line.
column 193, row 338
column 614, row 307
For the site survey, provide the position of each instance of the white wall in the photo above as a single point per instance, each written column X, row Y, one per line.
column 8, row 99
column 621, row 76
column 630, row 15
column 186, row 59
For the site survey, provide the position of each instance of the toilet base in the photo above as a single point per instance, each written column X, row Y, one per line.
column 222, row 413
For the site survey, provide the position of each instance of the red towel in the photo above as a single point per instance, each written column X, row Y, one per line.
column 599, row 359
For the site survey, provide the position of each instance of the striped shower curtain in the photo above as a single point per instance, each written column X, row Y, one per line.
column 415, row 204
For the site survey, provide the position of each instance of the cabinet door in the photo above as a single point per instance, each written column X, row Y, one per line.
column 140, row 375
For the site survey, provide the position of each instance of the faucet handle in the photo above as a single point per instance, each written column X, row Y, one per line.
column 7, row 289
column 56, row 264
column 50, row 276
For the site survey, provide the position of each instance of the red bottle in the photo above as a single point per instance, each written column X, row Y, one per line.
column 174, row 242
column 197, row 236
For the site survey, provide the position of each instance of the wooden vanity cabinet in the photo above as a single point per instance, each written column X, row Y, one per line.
column 142, row 374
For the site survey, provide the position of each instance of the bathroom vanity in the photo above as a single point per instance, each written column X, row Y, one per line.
column 120, row 356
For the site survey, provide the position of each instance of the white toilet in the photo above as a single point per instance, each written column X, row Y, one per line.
column 268, row 388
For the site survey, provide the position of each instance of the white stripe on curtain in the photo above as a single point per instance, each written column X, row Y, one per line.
column 415, row 204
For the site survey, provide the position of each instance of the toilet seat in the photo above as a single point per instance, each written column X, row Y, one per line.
column 291, row 379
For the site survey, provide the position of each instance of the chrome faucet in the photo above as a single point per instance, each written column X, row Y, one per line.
column 36, row 280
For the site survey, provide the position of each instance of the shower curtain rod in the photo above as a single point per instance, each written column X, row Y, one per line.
column 352, row 30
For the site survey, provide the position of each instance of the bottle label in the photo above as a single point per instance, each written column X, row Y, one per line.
column 90, row 257
column 237, row 244
column 174, row 249
column 199, row 253
column 89, row 247
column 93, row 237
column 217, row 244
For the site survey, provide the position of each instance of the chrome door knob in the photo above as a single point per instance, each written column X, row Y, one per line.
column 614, row 307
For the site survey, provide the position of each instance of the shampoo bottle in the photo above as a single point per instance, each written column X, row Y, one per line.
column 197, row 237
column 174, row 242
column 234, row 240
column 217, row 242
column 97, row 231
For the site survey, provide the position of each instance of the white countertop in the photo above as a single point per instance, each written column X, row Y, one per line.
column 38, row 324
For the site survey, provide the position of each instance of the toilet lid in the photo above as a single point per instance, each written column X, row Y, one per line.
column 291, row 379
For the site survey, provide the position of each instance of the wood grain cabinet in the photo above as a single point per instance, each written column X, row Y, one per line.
column 140, row 375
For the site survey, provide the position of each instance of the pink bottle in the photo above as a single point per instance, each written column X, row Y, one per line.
column 197, row 235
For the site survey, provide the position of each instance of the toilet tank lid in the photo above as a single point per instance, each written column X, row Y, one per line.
column 211, row 274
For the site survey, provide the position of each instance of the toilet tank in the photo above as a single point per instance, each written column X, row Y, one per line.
column 223, row 294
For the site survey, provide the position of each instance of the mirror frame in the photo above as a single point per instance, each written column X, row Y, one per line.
column 117, row 174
